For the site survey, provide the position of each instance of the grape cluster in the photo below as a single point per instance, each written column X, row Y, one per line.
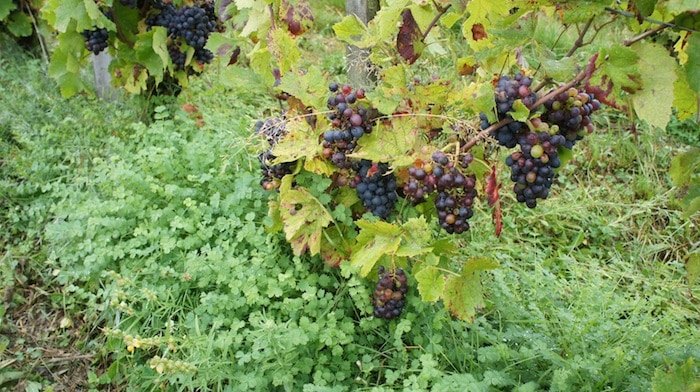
column 532, row 168
column 456, row 192
column 375, row 186
column 192, row 23
column 508, row 90
column 350, row 120
column 273, row 129
column 569, row 114
column 390, row 293
column 96, row 39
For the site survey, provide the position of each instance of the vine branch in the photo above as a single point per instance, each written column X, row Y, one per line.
column 650, row 20
column 437, row 17
column 645, row 34
column 581, row 35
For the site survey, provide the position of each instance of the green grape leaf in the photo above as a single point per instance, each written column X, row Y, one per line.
column 417, row 235
column 654, row 102
column 390, row 142
column 349, row 29
column 617, row 65
column 643, row 8
column 20, row 25
column 431, row 283
column 375, row 240
column 683, row 166
column 387, row 97
column 64, row 66
column 304, row 218
column 692, row 67
column 151, row 51
column 463, row 293
column 5, row 8
column 692, row 265
column 521, row 112
column 258, row 21
column 679, row 6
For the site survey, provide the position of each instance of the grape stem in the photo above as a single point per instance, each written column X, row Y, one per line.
column 586, row 73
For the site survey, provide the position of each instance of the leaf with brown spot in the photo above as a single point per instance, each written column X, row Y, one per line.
column 297, row 15
column 479, row 32
column 409, row 40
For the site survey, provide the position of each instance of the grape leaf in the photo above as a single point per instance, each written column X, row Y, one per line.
column 20, row 25
column 684, row 98
column 409, row 40
column 692, row 265
column 375, row 240
column 296, row 15
column 309, row 87
column 683, row 166
column 654, row 102
column 463, row 293
column 521, row 112
column 417, row 235
column 391, row 142
column 304, row 218
column 642, row 8
column 349, row 29
column 692, row 67
column 431, row 283
column 482, row 12
column 301, row 141
column 151, row 50
column 617, row 65
column 284, row 49
column 65, row 63
column 5, row 8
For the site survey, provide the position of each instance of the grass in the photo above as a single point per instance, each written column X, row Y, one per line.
column 591, row 294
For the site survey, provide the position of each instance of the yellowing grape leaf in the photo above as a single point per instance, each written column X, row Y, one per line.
column 304, row 218
column 309, row 87
column 391, row 142
column 653, row 103
column 375, row 240
column 684, row 98
column 482, row 13
column 417, row 234
column 463, row 293
column 301, row 141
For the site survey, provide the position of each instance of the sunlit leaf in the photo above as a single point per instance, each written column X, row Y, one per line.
column 654, row 102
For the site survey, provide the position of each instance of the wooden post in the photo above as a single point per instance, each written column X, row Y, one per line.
column 103, row 80
column 357, row 60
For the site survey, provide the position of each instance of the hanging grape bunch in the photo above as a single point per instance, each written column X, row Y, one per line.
column 273, row 129
column 390, row 293
column 96, row 40
column 565, row 119
column 375, row 186
column 350, row 120
column 507, row 91
column 568, row 114
column 191, row 25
